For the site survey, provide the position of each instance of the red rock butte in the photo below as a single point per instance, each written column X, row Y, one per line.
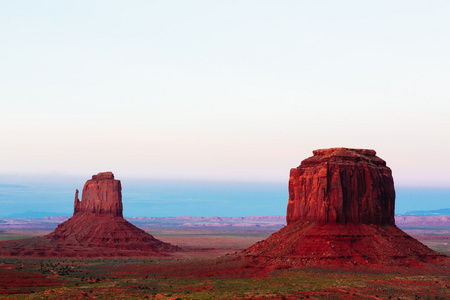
column 96, row 229
column 340, row 212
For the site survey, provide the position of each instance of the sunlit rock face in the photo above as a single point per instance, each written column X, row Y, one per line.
column 101, row 195
column 342, row 185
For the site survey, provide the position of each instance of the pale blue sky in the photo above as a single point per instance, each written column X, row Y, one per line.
column 223, row 90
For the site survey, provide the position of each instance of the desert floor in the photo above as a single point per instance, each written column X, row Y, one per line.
column 185, row 276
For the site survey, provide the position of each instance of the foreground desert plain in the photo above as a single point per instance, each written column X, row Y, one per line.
column 330, row 249
column 147, row 278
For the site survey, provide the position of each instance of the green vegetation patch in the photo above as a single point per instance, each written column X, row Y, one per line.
column 92, row 278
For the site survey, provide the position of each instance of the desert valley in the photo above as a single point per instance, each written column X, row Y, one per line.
column 340, row 240
column 165, row 150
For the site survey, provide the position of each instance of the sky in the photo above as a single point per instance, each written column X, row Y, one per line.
column 222, row 91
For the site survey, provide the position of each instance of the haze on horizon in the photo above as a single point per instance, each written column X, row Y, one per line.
column 237, row 91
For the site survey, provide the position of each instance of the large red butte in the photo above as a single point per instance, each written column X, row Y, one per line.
column 340, row 212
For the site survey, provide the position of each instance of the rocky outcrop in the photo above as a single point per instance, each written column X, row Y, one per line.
column 342, row 185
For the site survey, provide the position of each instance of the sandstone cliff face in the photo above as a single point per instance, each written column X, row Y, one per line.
column 101, row 195
column 342, row 185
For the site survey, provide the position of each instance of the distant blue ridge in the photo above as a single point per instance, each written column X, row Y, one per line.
column 437, row 212
column 36, row 214
column 172, row 198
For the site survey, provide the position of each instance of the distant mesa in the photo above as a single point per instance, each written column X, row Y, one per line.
column 340, row 212
column 97, row 228
column 437, row 212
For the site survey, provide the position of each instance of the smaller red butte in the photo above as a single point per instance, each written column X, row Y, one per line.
column 342, row 185
column 98, row 222
column 96, row 229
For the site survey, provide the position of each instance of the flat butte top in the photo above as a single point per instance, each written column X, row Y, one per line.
column 103, row 175
column 343, row 156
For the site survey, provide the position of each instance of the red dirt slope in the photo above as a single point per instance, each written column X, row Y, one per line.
column 306, row 244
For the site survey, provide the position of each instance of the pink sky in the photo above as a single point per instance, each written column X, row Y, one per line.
column 242, row 90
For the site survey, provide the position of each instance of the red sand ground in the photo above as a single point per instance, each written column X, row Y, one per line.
column 201, row 269
column 13, row 280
